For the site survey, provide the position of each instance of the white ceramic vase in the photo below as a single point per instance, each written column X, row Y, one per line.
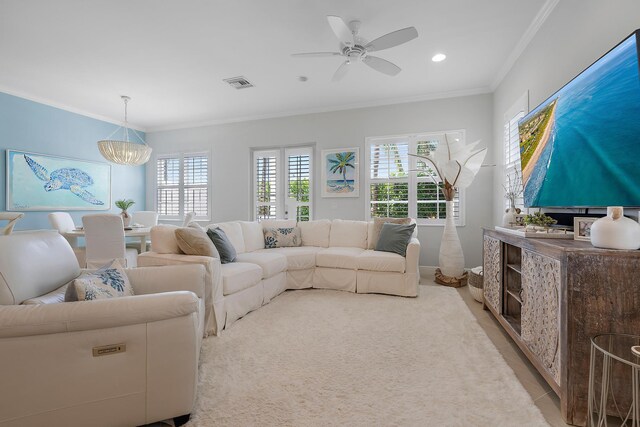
column 451, row 256
column 615, row 231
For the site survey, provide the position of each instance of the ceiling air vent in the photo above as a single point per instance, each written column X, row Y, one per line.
column 239, row 82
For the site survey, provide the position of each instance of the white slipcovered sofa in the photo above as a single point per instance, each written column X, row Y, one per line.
column 50, row 372
column 336, row 254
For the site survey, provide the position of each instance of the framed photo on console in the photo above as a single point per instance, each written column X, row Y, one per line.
column 340, row 172
column 582, row 228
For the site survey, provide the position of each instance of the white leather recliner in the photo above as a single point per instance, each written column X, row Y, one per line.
column 113, row 362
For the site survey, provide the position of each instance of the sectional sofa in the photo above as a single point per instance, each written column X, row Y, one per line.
column 336, row 254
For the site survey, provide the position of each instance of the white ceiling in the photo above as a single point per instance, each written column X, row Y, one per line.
column 171, row 56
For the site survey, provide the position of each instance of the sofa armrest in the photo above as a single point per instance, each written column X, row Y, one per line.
column 42, row 319
column 152, row 280
column 215, row 314
column 413, row 256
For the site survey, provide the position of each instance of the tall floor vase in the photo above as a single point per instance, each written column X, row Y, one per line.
column 451, row 271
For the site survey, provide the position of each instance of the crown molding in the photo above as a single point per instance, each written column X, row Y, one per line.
column 524, row 41
column 302, row 112
column 68, row 108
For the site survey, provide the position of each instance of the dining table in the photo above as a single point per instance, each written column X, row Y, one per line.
column 143, row 233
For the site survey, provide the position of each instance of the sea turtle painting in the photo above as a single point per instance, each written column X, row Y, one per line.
column 72, row 179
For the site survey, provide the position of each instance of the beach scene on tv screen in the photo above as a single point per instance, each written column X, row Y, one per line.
column 581, row 146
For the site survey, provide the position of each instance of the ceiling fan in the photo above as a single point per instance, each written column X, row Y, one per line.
column 354, row 48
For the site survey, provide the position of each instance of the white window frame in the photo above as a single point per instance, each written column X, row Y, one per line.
column 412, row 179
column 285, row 208
column 511, row 143
column 181, row 185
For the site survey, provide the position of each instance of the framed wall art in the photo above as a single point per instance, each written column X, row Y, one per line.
column 582, row 228
column 40, row 182
column 341, row 172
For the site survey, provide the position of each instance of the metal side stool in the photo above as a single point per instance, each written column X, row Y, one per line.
column 620, row 354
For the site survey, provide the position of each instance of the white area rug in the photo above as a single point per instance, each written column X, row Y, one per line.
column 319, row 357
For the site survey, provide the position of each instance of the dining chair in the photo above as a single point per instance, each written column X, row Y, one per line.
column 12, row 218
column 63, row 222
column 190, row 216
column 104, row 235
column 146, row 219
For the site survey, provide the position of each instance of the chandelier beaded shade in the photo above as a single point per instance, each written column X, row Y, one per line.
column 125, row 152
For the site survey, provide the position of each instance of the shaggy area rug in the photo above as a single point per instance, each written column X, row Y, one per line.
column 320, row 357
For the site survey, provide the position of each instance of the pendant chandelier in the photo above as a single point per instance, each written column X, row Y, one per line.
column 125, row 152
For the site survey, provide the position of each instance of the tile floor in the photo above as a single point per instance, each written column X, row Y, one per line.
column 540, row 392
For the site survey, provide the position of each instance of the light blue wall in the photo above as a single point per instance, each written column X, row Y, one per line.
column 30, row 126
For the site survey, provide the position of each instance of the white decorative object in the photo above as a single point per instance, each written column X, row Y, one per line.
column 509, row 218
column 12, row 218
column 457, row 165
column 615, row 231
column 451, row 256
column 125, row 152
column 512, row 191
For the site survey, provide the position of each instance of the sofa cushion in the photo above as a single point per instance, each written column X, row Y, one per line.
column 271, row 263
column 381, row 261
column 298, row 258
column 109, row 281
column 223, row 245
column 395, row 238
column 278, row 223
column 193, row 241
column 163, row 239
column 282, row 237
column 340, row 257
column 315, row 233
column 376, row 227
column 54, row 297
column 351, row 234
column 238, row 276
column 252, row 234
column 233, row 230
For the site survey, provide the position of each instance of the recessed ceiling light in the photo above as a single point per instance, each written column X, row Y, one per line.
column 438, row 57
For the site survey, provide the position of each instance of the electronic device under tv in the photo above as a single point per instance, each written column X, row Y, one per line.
column 581, row 146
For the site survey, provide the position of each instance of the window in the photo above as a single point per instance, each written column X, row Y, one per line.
column 182, row 185
column 511, row 142
column 400, row 185
column 282, row 180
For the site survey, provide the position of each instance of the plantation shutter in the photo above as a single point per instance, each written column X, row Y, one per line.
column 431, row 204
column 196, row 177
column 512, row 153
column 400, row 185
column 298, row 205
column 168, row 186
column 389, row 178
column 266, row 184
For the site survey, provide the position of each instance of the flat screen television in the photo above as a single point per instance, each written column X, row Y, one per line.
column 581, row 146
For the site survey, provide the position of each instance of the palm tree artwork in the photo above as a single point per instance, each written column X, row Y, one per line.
column 340, row 164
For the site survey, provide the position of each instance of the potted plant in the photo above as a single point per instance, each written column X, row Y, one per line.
column 123, row 205
column 538, row 221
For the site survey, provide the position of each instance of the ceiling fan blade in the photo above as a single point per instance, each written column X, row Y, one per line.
column 382, row 65
column 315, row 54
column 392, row 39
column 341, row 30
column 340, row 72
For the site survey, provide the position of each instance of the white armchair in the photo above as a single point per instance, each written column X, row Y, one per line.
column 122, row 361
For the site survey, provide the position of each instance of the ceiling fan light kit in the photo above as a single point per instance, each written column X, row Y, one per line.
column 356, row 49
column 125, row 152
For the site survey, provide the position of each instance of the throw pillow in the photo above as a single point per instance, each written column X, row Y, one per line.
column 223, row 245
column 395, row 238
column 109, row 281
column 193, row 241
column 377, row 227
column 282, row 237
